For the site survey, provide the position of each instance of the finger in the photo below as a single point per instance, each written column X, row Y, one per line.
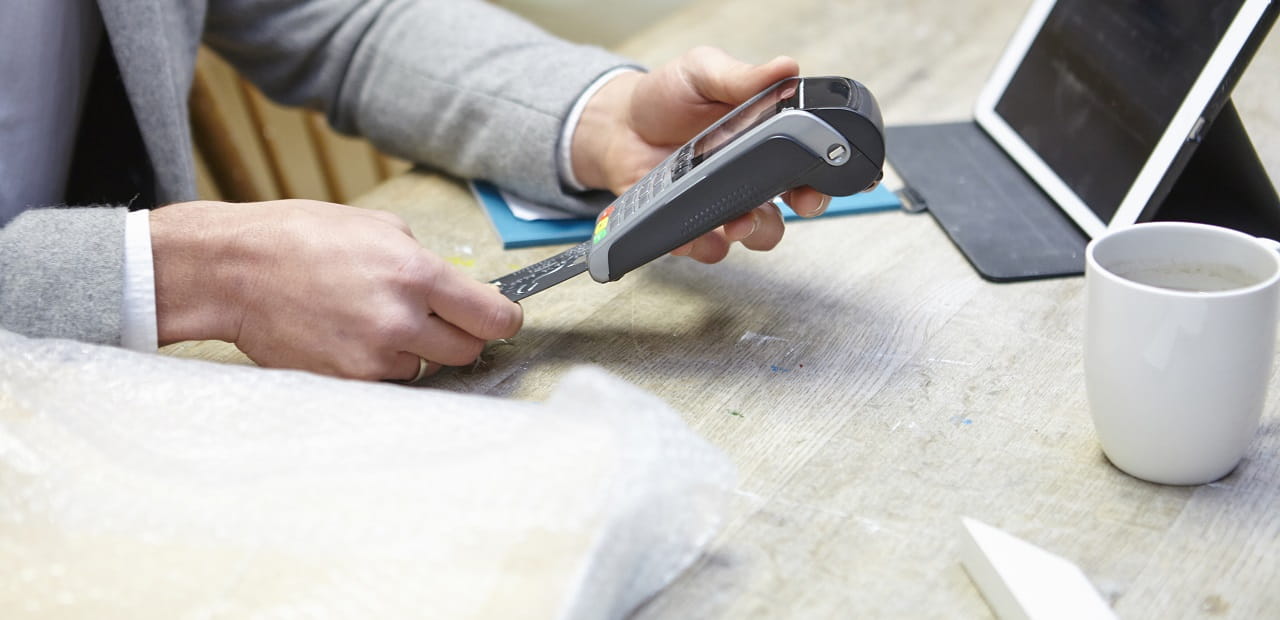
column 407, row 366
column 807, row 202
column 710, row 248
column 473, row 307
column 717, row 76
column 742, row 226
column 444, row 343
column 769, row 232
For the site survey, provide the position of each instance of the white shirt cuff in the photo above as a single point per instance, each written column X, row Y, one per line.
column 571, row 124
column 138, row 330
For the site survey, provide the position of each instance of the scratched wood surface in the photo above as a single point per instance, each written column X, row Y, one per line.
column 870, row 387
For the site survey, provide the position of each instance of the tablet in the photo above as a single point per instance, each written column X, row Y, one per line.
column 1101, row 102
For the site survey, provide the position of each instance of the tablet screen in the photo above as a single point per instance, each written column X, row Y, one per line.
column 1092, row 92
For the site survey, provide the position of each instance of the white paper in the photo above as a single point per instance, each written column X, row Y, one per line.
column 532, row 211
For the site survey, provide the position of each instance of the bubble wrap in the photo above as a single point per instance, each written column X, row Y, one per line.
column 144, row 486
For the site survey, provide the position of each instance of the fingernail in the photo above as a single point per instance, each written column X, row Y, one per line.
column 822, row 206
column 755, row 223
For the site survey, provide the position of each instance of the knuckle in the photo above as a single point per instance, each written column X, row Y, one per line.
column 422, row 273
column 396, row 326
column 366, row 366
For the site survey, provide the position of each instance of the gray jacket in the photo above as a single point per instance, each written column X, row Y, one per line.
column 456, row 84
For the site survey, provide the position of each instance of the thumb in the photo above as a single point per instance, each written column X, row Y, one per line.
column 717, row 76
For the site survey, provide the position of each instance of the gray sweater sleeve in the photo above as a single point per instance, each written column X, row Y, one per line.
column 60, row 273
column 458, row 84
column 461, row 85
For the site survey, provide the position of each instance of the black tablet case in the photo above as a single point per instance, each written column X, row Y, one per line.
column 1010, row 230
column 1006, row 226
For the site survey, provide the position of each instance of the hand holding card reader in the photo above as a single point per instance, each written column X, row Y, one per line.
column 823, row 132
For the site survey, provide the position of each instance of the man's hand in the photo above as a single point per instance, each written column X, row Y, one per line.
column 637, row 119
column 317, row 286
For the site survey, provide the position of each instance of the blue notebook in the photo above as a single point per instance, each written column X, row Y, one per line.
column 522, row 233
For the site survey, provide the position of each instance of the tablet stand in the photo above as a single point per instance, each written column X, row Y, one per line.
column 1225, row 183
column 1010, row 230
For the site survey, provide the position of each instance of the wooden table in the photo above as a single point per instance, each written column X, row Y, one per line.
column 869, row 385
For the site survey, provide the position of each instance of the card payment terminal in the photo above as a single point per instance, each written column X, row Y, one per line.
column 823, row 132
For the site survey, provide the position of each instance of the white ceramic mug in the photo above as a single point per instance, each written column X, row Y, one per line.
column 1180, row 337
